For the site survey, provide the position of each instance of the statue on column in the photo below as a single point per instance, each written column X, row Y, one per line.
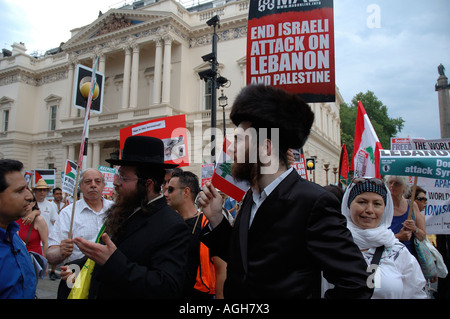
column 441, row 69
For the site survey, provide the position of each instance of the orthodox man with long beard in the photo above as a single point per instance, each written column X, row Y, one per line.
column 144, row 248
column 288, row 229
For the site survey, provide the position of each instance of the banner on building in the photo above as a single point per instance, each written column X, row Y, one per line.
column 290, row 44
column 171, row 130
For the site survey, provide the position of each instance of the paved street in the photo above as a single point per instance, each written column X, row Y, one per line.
column 47, row 289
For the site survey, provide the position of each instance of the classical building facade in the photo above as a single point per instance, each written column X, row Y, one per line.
column 150, row 53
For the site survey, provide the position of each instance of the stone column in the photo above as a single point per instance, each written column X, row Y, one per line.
column 71, row 152
column 158, row 67
column 89, row 157
column 96, row 155
column 126, row 79
column 102, row 63
column 166, row 69
column 70, row 110
column 134, row 77
column 442, row 88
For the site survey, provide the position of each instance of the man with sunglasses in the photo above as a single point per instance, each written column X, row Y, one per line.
column 288, row 229
column 143, row 250
column 205, row 271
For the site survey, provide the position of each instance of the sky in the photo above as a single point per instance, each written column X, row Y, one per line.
column 391, row 48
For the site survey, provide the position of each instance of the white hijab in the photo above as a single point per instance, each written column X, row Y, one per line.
column 371, row 237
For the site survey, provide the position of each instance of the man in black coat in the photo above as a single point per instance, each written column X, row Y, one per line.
column 145, row 244
column 288, row 229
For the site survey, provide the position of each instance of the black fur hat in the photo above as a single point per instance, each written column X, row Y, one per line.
column 271, row 107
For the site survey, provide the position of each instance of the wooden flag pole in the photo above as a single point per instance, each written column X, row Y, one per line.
column 83, row 145
column 413, row 196
column 75, row 198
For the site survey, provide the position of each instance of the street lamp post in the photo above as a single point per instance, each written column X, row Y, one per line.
column 326, row 168
column 216, row 81
column 223, row 101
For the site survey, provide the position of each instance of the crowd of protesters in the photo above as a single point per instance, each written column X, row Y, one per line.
column 165, row 237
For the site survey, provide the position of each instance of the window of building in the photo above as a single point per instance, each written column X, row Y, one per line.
column 53, row 110
column 53, row 102
column 6, row 105
column 5, row 120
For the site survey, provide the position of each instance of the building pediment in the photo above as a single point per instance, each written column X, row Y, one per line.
column 113, row 23
column 52, row 98
column 6, row 100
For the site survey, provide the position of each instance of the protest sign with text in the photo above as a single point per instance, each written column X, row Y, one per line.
column 70, row 177
column 437, row 210
column 290, row 44
column 424, row 163
column 171, row 130
column 108, row 173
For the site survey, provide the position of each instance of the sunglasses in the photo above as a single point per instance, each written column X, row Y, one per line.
column 170, row 189
column 362, row 180
column 422, row 199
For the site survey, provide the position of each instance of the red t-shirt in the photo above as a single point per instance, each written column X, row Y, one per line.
column 34, row 242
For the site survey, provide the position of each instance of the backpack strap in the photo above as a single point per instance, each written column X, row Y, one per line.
column 377, row 255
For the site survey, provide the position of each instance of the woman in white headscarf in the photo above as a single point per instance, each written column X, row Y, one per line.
column 367, row 205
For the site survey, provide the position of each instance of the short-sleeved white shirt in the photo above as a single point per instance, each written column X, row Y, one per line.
column 49, row 211
column 86, row 224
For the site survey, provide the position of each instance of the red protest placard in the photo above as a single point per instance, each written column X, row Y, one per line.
column 171, row 130
column 290, row 44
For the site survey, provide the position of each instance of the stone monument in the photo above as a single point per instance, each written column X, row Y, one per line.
column 442, row 88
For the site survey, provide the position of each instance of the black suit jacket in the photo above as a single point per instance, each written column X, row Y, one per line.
column 296, row 232
column 150, row 259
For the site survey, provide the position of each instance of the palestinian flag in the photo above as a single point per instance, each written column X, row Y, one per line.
column 222, row 178
column 343, row 167
column 70, row 177
column 47, row 174
column 71, row 169
column 366, row 150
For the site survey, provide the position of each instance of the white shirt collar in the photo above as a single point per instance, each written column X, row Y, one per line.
column 258, row 198
column 156, row 198
column 83, row 205
column 269, row 188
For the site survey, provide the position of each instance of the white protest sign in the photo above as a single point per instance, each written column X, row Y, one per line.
column 437, row 211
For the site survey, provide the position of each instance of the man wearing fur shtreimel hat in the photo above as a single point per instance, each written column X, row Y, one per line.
column 288, row 229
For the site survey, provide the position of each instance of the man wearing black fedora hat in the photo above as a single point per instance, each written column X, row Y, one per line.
column 288, row 229
column 145, row 243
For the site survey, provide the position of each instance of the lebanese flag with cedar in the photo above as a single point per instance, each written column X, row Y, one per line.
column 367, row 146
column 222, row 178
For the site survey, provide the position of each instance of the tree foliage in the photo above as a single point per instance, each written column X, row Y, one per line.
column 384, row 126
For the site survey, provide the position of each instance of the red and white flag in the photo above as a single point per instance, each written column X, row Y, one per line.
column 367, row 146
column 222, row 178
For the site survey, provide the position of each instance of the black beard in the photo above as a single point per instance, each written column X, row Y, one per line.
column 120, row 211
column 248, row 172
